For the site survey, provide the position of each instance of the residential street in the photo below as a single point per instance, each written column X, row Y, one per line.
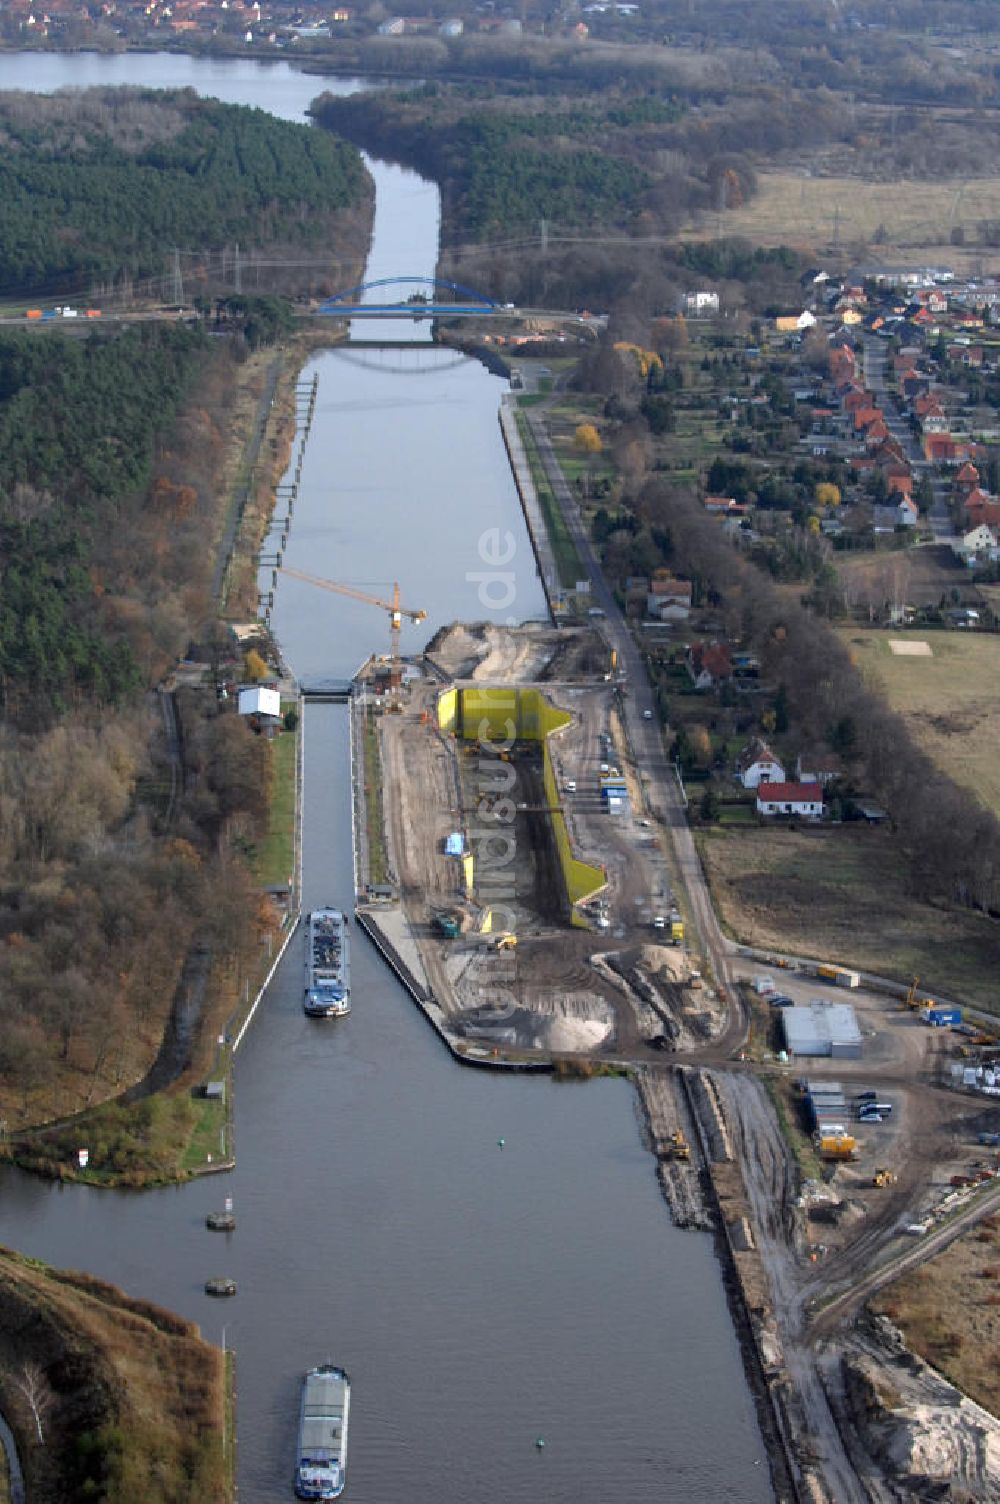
column 875, row 363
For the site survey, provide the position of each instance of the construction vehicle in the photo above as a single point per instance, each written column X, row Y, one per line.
column 395, row 610
column 505, row 942
column 911, row 1000
column 678, row 1147
column 449, row 926
column 883, row 1178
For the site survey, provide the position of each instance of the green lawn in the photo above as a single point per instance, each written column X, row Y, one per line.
column 208, row 1136
column 378, row 859
column 275, row 857
column 563, row 548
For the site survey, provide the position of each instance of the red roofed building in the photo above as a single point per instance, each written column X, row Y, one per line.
column 899, row 480
column 967, row 479
column 981, row 508
column 709, row 663
column 802, row 799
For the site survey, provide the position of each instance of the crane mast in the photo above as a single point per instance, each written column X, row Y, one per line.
column 395, row 609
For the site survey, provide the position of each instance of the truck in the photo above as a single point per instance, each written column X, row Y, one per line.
column 939, row 1017
column 677, row 931
column 839, row 975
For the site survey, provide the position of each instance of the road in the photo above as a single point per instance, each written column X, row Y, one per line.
column 642, row 724
column 847, row 1302
column 875, row 364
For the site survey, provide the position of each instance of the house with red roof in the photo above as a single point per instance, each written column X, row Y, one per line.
column 804, row 800
column 709, row 663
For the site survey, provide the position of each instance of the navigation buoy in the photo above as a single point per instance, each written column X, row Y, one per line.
column 500, row 1143
column 540, row 1443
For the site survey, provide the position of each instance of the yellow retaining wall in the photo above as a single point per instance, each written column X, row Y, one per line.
column 500, row 717
column 448, row 710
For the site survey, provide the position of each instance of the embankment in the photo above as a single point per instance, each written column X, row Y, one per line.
column 128, row 1398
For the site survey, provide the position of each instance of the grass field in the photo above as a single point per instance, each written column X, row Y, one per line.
column 793, row 208
column 841, row 894
column 959, row 1337
column 276, row 854
column 951, row 700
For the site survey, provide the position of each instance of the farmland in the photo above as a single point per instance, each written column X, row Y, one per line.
column 950, row 699
column 797, row 208
column 959, row 1337
column 842, row 894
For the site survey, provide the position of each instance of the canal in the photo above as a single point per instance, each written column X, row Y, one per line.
column 480, row 1297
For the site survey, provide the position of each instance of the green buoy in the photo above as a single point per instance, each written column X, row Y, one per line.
column 540, row 1443
column 500, row 1143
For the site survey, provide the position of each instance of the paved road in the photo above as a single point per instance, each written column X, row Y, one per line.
column 642, row 724
column 875, row 365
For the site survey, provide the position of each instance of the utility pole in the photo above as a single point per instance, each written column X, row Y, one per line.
column 176, row 280
column 237, row 269
column 543, row 235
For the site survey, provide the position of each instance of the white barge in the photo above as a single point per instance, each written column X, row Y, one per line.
column 328, row 965
column 321, row 1467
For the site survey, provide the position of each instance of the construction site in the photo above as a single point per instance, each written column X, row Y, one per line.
column 527, row 899
column 531, row 886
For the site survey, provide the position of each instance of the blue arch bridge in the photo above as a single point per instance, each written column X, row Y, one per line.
column 434, row 297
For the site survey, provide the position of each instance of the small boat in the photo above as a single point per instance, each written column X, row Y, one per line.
column 220, row 1287
column 321, row 1467
column 220, row 1221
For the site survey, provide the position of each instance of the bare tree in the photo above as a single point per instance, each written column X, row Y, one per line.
column 31, row 1383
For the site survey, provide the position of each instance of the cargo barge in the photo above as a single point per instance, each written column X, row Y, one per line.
column 321, row 1468
column 328, row 965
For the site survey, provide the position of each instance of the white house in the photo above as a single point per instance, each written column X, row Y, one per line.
column 977, row 544
column 669, row 600
column 255, row 700
column 802, row 799
column 757, row 764
column 700, row 304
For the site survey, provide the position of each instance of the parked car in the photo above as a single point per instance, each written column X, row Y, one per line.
column 763, row 985
column 779, row 1000
column 869, row 1117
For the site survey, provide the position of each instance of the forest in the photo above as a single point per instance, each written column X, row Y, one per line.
column 79, row 425
column 123, row 870
column 97, row 188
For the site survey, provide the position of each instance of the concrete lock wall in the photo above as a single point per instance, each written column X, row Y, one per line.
column 501, row 716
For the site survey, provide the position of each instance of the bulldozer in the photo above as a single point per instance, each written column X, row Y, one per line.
column 506, row 941
column 882, row 1179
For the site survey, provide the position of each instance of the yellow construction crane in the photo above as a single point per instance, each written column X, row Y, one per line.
column 395, row 610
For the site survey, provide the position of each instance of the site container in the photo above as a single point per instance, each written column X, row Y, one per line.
column 840, row 975
column 990, row 1140
column 33, row 313
column 93, row 313
column 838, row 1146
column 941, row 1018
